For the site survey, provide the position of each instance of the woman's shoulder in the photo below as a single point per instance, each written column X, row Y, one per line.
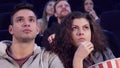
column 40, row 20
column 108, row 53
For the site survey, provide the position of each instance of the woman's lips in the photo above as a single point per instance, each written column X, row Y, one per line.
column 81, row 39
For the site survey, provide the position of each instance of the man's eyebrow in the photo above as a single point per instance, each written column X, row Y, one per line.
column 19, row 17
column 32, row 16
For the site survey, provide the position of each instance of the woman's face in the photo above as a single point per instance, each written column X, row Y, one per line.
column 80, row 31
column 50, row 8
column 88, row 5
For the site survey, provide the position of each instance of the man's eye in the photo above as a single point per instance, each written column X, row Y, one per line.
column 60, row 6
column 32, row 20
column 20, row 20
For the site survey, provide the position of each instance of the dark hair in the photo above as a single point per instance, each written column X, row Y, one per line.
column 82, row 5
column 63, row 44
column 57, row 3
column 21, row 6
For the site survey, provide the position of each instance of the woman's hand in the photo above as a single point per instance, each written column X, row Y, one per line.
column 84, row 49
column 51, row 38
column 93, row 13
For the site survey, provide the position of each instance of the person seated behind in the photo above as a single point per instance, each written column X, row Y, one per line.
column 22, row 52
column 80, row 42
column 88, row 6
column 47, row 13
column 61, row 9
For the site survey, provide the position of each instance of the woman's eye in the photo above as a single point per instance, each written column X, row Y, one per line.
column 86, row 27
column 67, row 5
column 60, row 6
column 50, row 4
column 74, row 28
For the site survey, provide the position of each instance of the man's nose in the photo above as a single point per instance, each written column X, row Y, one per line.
column 63, row 6
column 26, row 23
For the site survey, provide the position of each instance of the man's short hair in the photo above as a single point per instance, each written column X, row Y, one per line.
column 57, row 3
column 21, row 6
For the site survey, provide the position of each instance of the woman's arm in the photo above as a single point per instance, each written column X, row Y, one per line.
column 84, row 49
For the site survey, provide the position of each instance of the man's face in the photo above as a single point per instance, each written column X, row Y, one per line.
column 62, row 9
column 24, row 26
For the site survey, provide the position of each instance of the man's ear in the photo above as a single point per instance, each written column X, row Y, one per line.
column 10, row 29
column 38, row 28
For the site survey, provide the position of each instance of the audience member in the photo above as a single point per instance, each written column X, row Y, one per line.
column 89, row 8
column 47, row 13
column 61, row 9
column 80, row 42
column 22, row 52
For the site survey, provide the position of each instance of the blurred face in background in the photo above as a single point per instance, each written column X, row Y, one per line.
column 81, row 31
column 88, row 5
column 62, row 9
column 50, row 8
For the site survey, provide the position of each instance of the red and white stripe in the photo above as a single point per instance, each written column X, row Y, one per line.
column 113, row 63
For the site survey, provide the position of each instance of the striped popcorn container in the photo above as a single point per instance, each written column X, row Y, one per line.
column 113, row 63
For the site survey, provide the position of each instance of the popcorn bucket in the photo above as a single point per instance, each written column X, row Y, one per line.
column 113, row 63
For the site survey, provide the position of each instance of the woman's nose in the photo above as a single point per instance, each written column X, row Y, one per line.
column 80, row 32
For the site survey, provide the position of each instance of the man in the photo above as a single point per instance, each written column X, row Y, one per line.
column 61, row 8
column 22, row 52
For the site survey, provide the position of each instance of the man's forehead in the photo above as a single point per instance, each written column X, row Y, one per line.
column 25, row 16
column 24, row 12
column 62, row 2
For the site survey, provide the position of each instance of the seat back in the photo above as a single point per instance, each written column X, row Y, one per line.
column 110, row 20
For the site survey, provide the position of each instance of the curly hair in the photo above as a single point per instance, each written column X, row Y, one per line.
column 63, row 43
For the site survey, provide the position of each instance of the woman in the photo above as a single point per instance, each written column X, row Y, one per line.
column 80, row 42
column 89, row 8
column 47, row 13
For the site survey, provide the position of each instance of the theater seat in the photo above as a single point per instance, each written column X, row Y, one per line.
column 4, row 20
column 110, row 20
column 113, row 41
column 5, row 35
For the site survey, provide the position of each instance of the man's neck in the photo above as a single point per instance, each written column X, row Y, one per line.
column 20, row 50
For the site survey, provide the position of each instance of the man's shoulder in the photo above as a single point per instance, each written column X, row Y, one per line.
column 49, row 58
column 3, row 48
column 46, row 53
column 42, row 51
